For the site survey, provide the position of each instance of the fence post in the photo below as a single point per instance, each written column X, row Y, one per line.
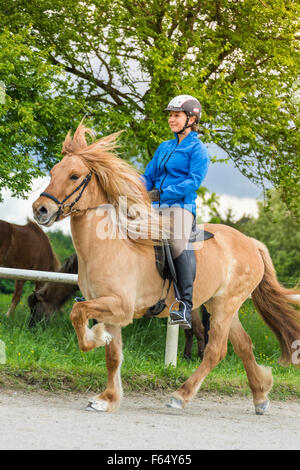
column 171, row 345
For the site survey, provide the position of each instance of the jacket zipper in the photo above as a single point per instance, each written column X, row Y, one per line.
column 162, row 161
column 166, row 171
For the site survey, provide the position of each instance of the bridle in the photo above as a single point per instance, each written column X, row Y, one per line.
column 62, row 206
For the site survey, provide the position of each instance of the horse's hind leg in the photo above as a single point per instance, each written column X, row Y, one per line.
column 259, row 377
column 205, row 323
column 214, row 352
column 197, row 330
column 16, row 298
column 110, row 399
column 189, row 334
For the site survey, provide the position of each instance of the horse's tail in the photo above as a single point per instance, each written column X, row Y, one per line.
column 273, row 302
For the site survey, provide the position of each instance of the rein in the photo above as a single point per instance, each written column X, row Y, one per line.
column 61, row 204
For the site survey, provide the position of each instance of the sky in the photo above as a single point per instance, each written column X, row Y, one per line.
column 234, row 190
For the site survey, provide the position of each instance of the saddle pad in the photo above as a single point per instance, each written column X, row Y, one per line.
column 163, row 257
column 199, row 235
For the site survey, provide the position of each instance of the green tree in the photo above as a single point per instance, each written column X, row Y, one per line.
column 125, row 59
column 7, row 286
column 279, row 231
column 62, row 244
column 32, row 115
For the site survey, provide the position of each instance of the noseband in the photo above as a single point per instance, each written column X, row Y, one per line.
column 61, row 204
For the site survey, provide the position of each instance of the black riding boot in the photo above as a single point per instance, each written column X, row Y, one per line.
column 185, row 266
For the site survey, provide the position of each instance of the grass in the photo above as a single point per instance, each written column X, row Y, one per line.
column 49, row 358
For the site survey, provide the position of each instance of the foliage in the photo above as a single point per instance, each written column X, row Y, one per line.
column 21, row 85
column 7, row 286
column 279, row 231
column 32, row 118
column 123, row 60
column 207, row 206
column 62, row 244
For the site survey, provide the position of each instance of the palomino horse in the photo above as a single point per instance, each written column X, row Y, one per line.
column 25, row 247
column 118, row 275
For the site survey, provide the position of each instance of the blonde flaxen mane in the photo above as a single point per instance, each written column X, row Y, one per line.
column 122, row 184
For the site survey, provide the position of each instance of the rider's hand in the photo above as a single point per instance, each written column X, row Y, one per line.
column 154, row 195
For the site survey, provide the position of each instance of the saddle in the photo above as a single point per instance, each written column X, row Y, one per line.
column 165, row 265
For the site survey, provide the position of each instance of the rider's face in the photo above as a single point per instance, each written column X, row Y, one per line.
column 177, row 120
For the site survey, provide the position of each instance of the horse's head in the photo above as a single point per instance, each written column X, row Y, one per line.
column 65, row 193
column 82, row 165
column 39, row 307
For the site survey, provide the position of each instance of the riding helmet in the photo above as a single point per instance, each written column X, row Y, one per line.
column 186, row 103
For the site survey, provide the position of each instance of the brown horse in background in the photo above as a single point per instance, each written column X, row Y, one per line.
column 117, row 273
column 49, row 298
column 25, row 247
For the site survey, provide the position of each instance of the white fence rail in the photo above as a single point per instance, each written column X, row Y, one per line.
column 46, row 276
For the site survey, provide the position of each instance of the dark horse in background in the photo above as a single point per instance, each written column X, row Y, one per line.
column 25, row 247
column 52, row 296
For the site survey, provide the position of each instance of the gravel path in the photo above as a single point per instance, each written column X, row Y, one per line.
column 47, row 421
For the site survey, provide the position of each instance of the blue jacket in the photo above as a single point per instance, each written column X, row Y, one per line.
column 177, row 171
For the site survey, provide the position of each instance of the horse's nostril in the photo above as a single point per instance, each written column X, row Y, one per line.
column 43, row 210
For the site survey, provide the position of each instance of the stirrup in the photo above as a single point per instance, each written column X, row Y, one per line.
column 80, row 299
column 179, row 318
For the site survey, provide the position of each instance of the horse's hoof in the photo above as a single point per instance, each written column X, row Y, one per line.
column 262, row 408
column 175, row 403
column 97, row 405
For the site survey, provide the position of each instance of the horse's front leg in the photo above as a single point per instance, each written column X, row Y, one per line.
column 110, row 399
column 106, row 310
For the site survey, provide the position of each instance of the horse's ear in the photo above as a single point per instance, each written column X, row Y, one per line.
column 79, row 138
column 78, row 141
column 67, row 145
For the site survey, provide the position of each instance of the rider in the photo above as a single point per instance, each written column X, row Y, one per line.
column 175, row 172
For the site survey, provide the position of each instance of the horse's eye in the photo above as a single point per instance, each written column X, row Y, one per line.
column 74, row 177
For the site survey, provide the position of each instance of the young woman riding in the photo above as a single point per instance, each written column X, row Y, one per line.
column 172, row 177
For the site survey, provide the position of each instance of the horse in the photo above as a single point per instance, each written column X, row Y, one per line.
column 25, row 247
column 112, row 223
column 53, row 295
column 43, row 302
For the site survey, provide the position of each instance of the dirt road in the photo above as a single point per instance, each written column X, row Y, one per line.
column 44, row 421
